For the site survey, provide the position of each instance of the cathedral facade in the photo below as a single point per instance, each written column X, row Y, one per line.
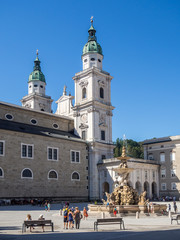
column 69, row 154
column 56, row 155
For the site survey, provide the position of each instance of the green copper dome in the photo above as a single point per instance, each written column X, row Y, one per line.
column 37, row 75
column 92, row 46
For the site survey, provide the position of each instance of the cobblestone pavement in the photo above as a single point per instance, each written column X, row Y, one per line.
column 146, row 227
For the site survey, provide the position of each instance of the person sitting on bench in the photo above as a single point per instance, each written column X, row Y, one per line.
column 29, row 219
column 41, row 218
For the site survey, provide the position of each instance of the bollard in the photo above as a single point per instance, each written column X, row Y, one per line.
column 137, row 215
column 102, row 215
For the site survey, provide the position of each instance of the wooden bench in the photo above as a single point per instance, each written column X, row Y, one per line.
column 107, row 221
column 36, row 223
column 175, row 218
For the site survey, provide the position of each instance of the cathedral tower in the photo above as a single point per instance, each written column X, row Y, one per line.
column 36, row 98
column 93, row 109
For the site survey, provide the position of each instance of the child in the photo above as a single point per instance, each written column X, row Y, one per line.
column 85, row 214
column 70, row 219
column 115, row 211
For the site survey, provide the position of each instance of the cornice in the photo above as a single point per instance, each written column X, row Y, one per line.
column 93, row 70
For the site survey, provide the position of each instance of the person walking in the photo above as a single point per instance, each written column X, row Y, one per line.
column 169, row 207
column 49, row 206
column 85, row 214
column 77, row 217
column 175, row 207
column 72, row 209
column 46, row 206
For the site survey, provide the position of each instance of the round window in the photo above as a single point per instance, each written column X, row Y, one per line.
column 92, row 59
column 99, row 60
column 85, row 60
column 9, row 116
column 55, row 125
column 33, row 121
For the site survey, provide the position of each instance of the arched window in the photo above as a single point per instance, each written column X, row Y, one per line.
column 26, row 173
column 75, row 176
column 84, row 93
column 101, row 92
column 1, row 173
column 52, row 174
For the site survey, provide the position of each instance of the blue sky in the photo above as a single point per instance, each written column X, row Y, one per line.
column 141, row 47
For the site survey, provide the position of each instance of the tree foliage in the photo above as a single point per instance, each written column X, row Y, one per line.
column 133, row 149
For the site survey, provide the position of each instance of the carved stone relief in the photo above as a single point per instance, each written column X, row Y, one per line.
column 101, row 83
column 109, row 113
column 83, row 126
column 28, row 105
column 83, row 83
column 92, row 109
column 102, row 118
column 41, row 105
column 76, row 114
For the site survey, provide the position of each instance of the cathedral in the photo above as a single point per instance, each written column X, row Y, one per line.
column 56, row 155
column 69, row 154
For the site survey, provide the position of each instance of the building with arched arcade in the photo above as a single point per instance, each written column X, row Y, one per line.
column 145, row 176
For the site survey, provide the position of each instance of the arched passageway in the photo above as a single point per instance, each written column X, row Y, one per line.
column 154, row 190
column 106, row 187
column 130, row 184
column 138, row 187
column 146, row 188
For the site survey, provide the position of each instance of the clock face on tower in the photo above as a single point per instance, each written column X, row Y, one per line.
column 84, row 117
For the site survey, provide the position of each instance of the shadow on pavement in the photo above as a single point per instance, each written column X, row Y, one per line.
column 105, row 235
column 40, row 208
column 9, row 228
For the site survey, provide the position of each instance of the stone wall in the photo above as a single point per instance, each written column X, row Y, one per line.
column 24, row 115
column 12, row 185
column 12, row 163
column 153, row 151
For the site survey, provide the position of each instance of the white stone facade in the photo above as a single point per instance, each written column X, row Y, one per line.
column 93, row 116
column 92, row 113
column 145, row 176
column 37, row 102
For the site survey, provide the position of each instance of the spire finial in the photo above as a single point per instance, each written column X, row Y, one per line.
column 37, row 52
column 92, row 20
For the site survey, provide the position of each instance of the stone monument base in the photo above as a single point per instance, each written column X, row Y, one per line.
column 98, row 209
